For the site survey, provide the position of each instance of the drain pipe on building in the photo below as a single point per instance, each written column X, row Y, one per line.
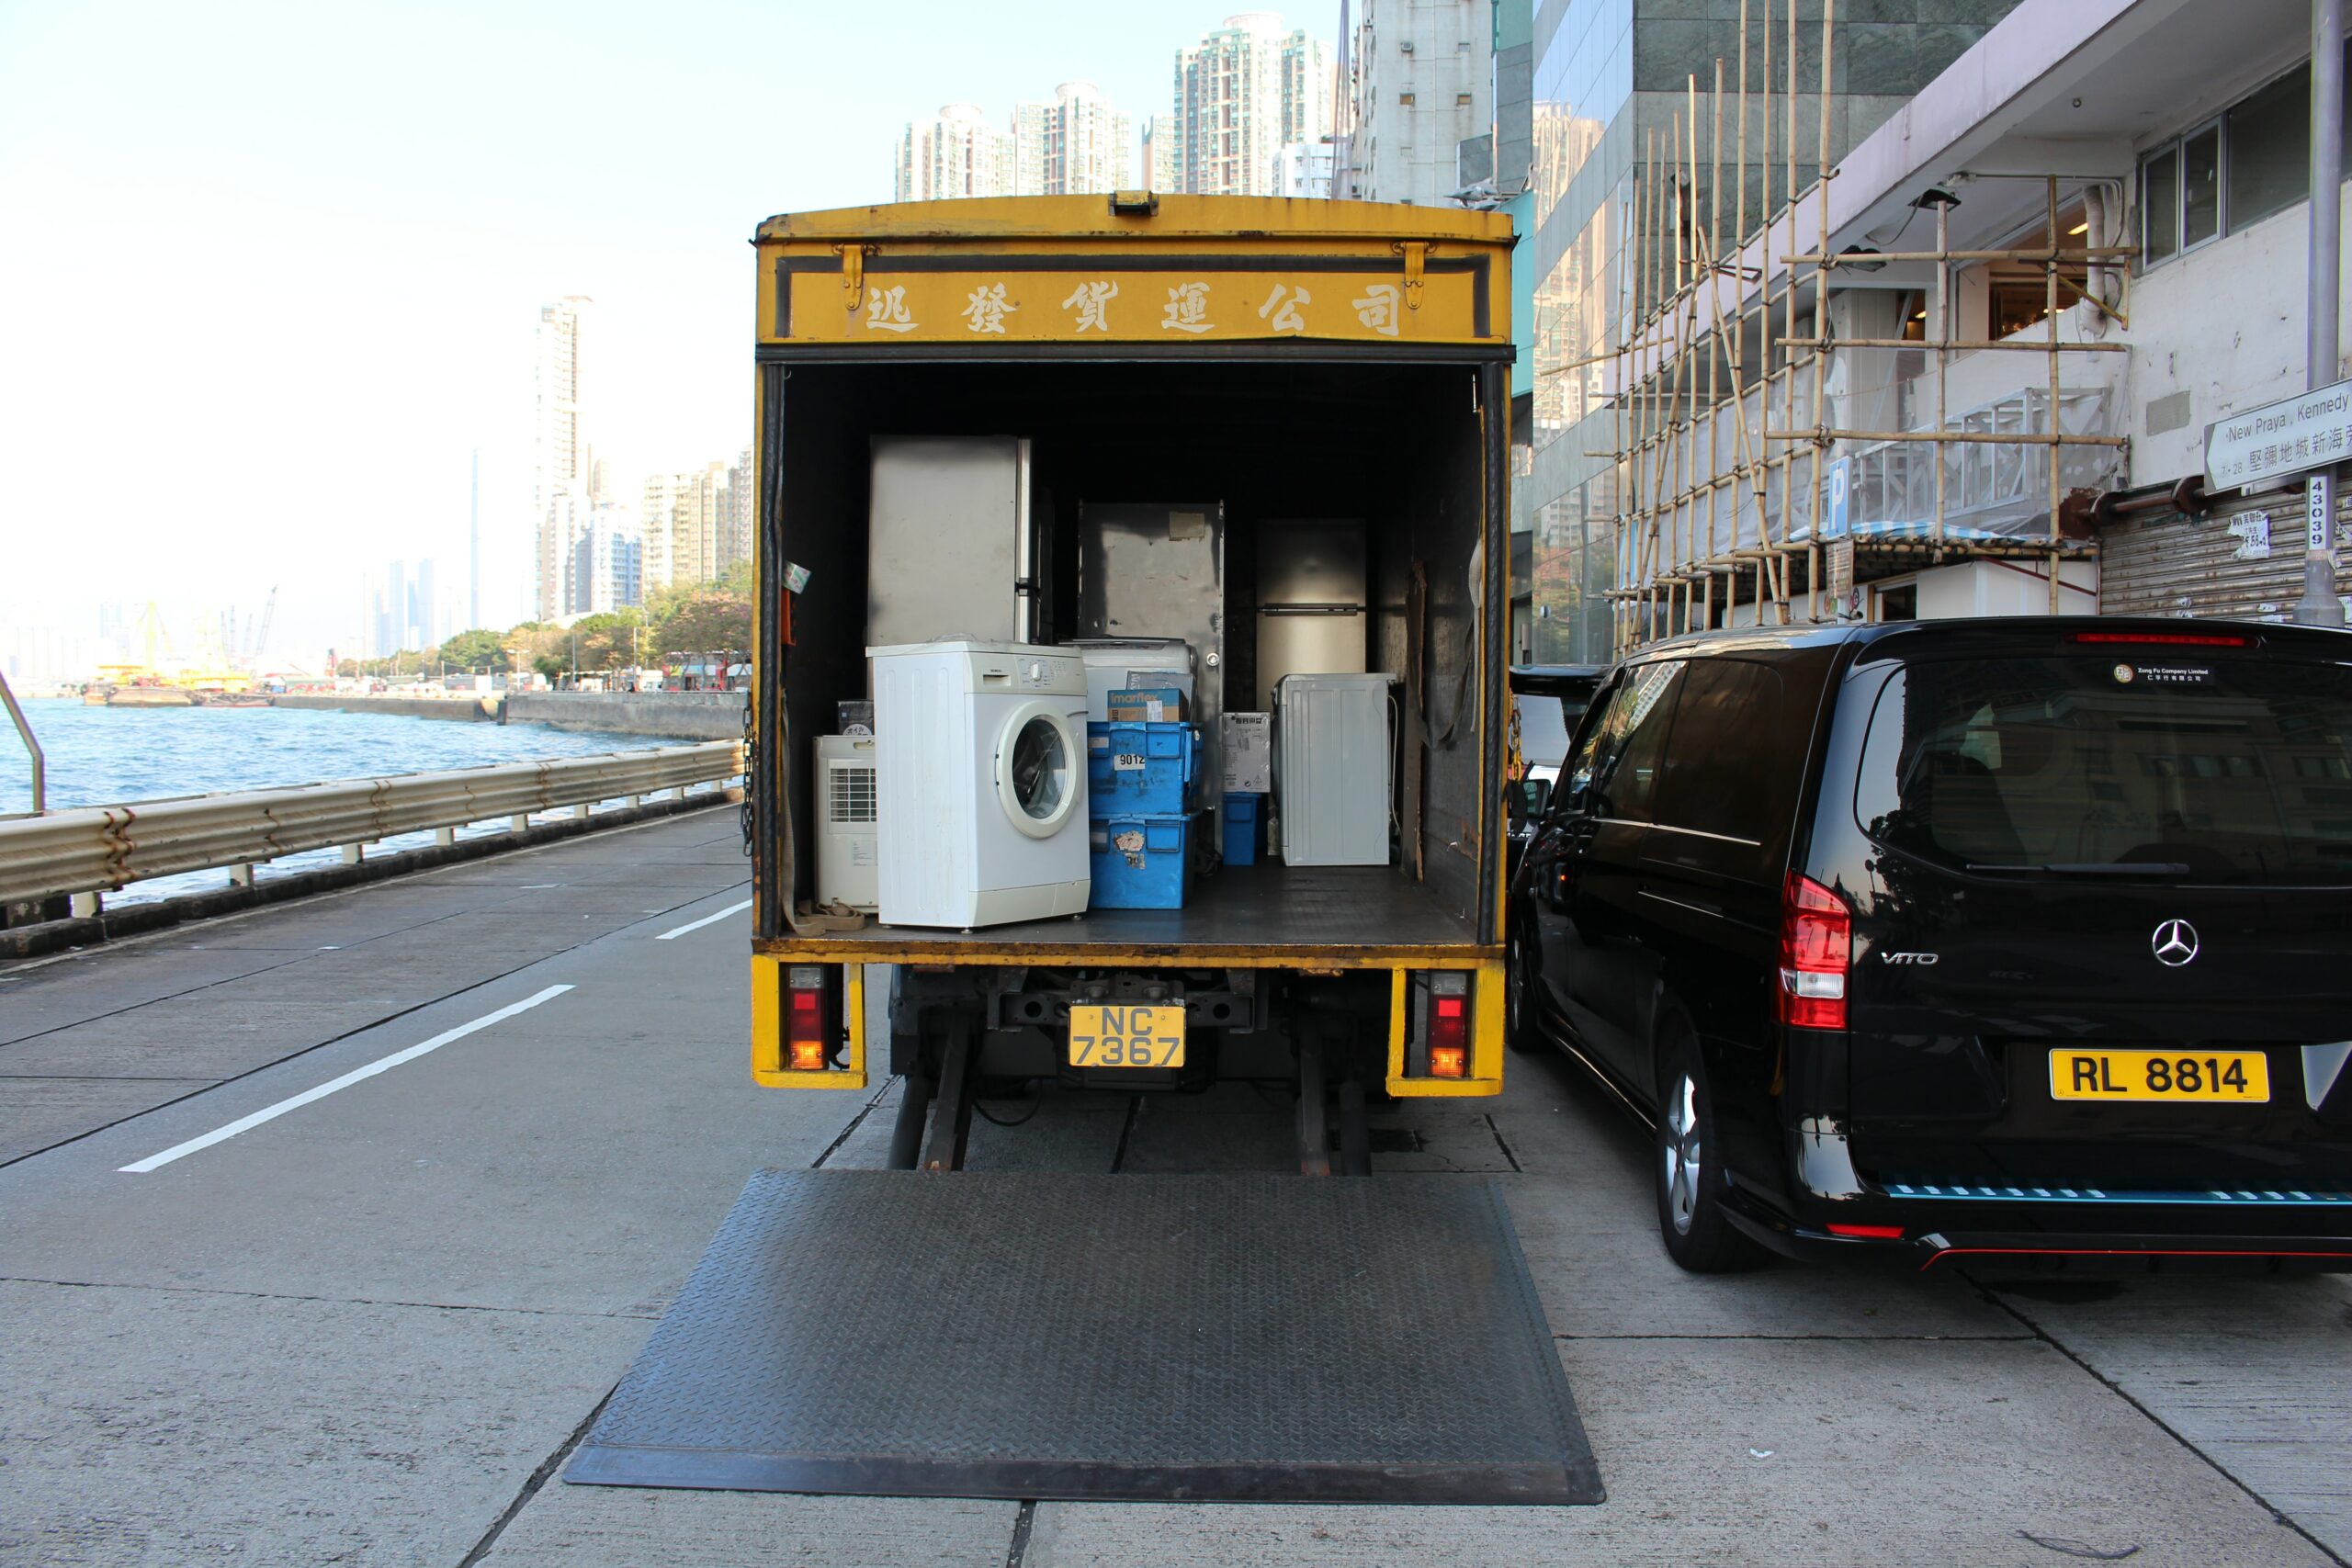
column 2319, row 605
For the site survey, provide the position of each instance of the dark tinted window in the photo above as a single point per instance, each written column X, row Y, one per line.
column 1733, row 752
column 2233, row 771
column 1632, row 741
column 2271, row 144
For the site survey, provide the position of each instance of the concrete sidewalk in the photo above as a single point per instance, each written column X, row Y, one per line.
column 90, row 1037
column 368, row 1331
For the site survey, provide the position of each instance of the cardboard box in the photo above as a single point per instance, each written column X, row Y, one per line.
column 1147, row 705
column 1249, row 748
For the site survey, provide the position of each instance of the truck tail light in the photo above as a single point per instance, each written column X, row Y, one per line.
column 1449, row 1025
column 1816, row 950
column 807, row 1039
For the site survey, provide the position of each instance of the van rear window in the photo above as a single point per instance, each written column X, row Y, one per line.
column 2229, row 771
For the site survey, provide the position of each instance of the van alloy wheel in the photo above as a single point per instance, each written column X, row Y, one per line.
column 1683, row 1152
column 1686, row 1164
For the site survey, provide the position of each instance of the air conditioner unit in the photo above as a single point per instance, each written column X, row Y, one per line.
column 847, row 868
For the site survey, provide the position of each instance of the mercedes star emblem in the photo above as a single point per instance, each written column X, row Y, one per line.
column 2175, row 943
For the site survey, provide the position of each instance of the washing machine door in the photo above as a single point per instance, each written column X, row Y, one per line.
column 1040, row 777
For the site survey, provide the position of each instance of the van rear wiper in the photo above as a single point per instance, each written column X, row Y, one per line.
column 2097, row 868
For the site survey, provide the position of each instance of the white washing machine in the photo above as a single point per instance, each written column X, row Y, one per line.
column 981, row 751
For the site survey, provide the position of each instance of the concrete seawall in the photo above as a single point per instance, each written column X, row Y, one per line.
column 462, row 707
column 677, row 716
column 670, row 716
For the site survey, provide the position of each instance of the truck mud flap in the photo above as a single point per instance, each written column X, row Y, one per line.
column 1238, row 1338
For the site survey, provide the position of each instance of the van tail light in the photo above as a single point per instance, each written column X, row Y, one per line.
column 1817, row 949
column 2167, row 639
column 1449, row 1025
column 807, row 1038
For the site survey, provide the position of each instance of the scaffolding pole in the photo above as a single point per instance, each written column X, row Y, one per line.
column 1672, row 458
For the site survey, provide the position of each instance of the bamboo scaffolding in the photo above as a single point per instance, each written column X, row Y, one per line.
column 1673, row 459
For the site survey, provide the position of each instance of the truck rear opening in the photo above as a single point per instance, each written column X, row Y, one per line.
column 1384, row 975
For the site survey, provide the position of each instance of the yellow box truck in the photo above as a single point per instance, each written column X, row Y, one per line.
column 1243, row 462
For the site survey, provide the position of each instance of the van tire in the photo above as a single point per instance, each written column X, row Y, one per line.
column 1686, row 1166
column 1521, row 1032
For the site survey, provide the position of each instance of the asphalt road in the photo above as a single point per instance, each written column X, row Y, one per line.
column 369, row 1328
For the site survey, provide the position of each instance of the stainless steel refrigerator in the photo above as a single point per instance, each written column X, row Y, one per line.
column 1311, row 602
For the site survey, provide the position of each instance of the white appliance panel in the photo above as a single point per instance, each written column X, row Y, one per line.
column 1335, row 736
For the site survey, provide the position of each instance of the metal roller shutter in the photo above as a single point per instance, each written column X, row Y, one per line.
column 2217, row 565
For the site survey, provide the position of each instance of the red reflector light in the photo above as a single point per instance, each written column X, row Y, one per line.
column 804, row 1021
column 1449, row 1026
column 2175, row 640
column 1816, row 948
column 1868, row 1233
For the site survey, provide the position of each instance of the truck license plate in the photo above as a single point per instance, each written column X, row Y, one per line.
column 1140, row 1036
column 2201, row 1077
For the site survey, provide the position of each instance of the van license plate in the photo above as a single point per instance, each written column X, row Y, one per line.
column 1139, row 1037
column 2230, row 1077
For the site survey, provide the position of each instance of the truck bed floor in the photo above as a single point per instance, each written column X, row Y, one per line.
column 1308, row 911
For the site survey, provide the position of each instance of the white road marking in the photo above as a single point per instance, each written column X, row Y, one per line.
column 705, row 920
column 383, row 1063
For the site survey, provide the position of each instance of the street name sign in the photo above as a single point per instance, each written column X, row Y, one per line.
column 2310, row 430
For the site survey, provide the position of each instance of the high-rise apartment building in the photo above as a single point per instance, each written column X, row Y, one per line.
column 1228, row 108
column 1160, row 152
column 1310, row 89
column 1243, row 92
column 694, row 525
column 1304, row 169
column 1074, row 146
column 608, row 563
column 559, row 470
column 737, row 510
column 954, row 153
column 657, row 503
column 1424, row 85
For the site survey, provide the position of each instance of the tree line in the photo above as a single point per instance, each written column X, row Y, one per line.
column 694, row 617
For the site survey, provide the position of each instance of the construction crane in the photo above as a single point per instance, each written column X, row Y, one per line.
column 261, row 634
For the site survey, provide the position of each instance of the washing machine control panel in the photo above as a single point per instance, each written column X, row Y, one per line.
column 1039, row 675
column 1017, row 670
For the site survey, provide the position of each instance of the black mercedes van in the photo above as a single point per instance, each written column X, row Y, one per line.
column 2028, row 937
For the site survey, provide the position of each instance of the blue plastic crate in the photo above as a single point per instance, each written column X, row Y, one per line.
column 1141, row 770
column 1245, row 828
column 1140, row 862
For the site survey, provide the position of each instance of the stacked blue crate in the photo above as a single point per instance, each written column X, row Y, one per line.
column 1141, row 784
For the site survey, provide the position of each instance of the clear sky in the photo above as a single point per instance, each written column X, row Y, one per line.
column 268, row 271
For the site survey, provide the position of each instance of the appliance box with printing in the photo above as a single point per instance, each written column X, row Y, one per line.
column 1248, row 752
column 1147, row 704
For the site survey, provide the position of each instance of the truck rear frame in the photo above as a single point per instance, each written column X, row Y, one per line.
column 1389, row 403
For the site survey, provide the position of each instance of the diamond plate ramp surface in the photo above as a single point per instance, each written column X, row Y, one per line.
column 1241, row 1337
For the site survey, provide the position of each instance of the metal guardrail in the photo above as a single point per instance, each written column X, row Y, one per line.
column 32, row 747
column 97, row 849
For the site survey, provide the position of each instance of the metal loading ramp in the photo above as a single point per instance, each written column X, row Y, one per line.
column 1235, row 1337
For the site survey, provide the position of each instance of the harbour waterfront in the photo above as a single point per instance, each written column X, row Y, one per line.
column 100, row 756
